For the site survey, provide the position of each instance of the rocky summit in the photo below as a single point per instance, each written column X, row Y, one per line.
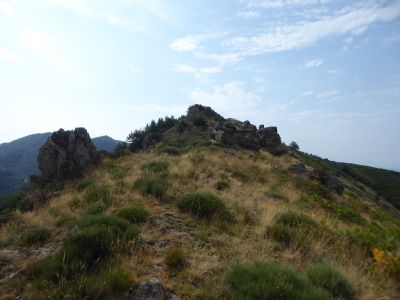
column 66, row 154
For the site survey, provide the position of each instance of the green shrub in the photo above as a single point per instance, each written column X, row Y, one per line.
column 95, row 208
column 96, row 237
column 222, row 185
column 175, row 258
column 108, row 283
column 324, row 276
column 97, row 193
column 134, row 214
column 196, row 158
column 75, row 203
column 156, row 187
column 276, row 195
column 6, row 215
column 158, row 166
column 291, row 229
column 35, row 236
column 173, row 150
column 374, row 236
column 272, row 280
column 199, row 121
column 202, row 204
column 83, row 184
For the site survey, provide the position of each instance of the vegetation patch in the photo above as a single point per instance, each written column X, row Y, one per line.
column 202, row 204
column 272, row 280
column 96, row 237
column 326, row 277
column 175, row 258
column 153, row 186
column 291, row 229
column 134, row 214
column 222, row 185
column 35, row 236
column 157, row 167
column 97, row 193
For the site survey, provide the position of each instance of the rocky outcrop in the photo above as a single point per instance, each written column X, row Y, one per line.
column 66, row 154
column 151, row 290
column 233, row 133
column 325, row 178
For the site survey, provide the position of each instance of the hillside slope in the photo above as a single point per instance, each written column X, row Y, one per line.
column 254, row 220
column 18, row 159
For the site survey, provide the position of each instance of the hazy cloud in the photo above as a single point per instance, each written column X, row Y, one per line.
column 314, row 63
column 7, row 55
column 40, row 42
column 6, row 8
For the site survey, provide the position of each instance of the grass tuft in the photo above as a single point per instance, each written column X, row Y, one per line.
column 202, row 204
column 134, row 214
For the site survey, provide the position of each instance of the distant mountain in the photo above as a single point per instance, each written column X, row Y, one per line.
column 18, row 158
column 105, row 143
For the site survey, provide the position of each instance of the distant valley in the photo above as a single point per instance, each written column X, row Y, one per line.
column 18, row 158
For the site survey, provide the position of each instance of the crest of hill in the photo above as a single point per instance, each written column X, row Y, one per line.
column 202, row 125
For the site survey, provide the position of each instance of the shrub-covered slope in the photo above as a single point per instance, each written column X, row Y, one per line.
column 211, row 223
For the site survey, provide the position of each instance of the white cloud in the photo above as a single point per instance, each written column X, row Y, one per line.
column 314, row 63
column 335, row 71
column 201, row 74
column 132, row 15
column 134, row 68
column 40, row 42
column 295, row 36
column 328, row 94
column 285, row 37
column 175, row 110
column 7, row 55
column 189, row 43
column 6, row 8
column 248, row 14
column 230, row 97
column 284, row 3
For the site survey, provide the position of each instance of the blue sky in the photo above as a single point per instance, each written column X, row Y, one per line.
column 326, row 72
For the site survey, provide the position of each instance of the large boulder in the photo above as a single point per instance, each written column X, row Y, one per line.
column 269, row 138
column 66, row 154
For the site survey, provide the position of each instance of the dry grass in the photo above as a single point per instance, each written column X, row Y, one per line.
column 212, row 247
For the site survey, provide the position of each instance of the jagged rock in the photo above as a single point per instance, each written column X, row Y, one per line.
column 298, row 168
column 206, row 113
column 66, row 154
column 151, row 290
column 269, row 138
column 326, row 178
column 232, row 132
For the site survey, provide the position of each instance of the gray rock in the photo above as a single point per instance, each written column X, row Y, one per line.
column 66, row 154
column 150, row 290
column 269, row 138
column 298, row 168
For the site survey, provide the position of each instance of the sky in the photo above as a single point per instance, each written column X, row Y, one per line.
column 325, row 72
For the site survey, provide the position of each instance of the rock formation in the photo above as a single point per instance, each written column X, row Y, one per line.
column 66, row 154
column 234, row 133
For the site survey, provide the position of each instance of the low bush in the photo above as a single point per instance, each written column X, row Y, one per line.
column 111, row 282
column 157, row 166
column 325, row 276
column 202, row 204
column 93, row 238
column 134, row 214
column 196, row 158
column 83, row 184
column 96, row 193
column 222, row 185
column 272, row 280
column 95, row 208
column 291, row 229
column 175, row 258
column 153, row 186
column 35, row 236
column 6, row 215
